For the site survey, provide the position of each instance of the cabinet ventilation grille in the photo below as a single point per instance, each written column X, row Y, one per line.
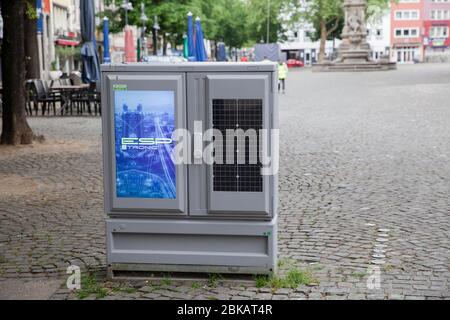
column 243, row 174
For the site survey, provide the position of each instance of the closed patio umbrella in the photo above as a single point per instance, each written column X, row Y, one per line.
column 190, row 37
column 200, row 52
column 130, row 51
column 106, row 56
column 185, row 46
column 91, row 69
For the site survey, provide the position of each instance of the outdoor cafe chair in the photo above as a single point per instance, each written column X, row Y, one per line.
column 84, row 99
column 43, row 95
column 30, row 93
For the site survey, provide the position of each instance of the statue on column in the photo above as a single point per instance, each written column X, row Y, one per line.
column 354, row 46
column 354, row 52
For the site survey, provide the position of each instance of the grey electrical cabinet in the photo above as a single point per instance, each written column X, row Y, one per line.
column 190, row 159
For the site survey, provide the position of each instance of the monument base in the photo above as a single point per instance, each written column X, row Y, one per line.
column 354, row 66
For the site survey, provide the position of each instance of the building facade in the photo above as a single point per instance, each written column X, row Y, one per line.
column 410, row 31
column 406, row 31
column 378, row 35
column 300, row 46
column 66, row 31
column 59, row 35
column 436, row 30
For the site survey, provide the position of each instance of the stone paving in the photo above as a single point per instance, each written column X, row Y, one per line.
column 364, row 190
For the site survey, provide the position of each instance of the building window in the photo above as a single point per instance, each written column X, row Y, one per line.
column 60, row 20
column 406, row 32
column 439, row 32
column 440, row 14
column 407, row 15
column 379, row 33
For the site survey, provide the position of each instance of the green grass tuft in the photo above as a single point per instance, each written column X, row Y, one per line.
column 89, row 286
column 293, row 278
column 166, row 281
column 261, row 281
column 213, row 279
column 195, row 285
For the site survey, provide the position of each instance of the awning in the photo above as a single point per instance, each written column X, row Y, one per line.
column 67, row 42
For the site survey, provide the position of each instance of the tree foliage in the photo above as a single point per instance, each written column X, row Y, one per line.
column 328, row 12
column 259, row 13
column 236, row 22
column 228, row 22
column 331, row 11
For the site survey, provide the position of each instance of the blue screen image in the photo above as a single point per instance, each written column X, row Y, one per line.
column 144, row 122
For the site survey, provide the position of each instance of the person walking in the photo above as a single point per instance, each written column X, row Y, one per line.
column 282, row 74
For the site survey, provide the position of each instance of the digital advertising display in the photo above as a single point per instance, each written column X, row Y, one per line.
column 144, row 122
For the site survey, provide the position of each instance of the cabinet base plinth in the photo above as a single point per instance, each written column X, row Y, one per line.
column 194, row 246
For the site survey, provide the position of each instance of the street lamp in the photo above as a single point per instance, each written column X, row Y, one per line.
column 126, row 6
column 144, row 20
column 155, row 35
column 1, row 25
column 112, row 7
column 268, row 20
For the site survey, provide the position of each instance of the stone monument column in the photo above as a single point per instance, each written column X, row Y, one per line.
column 354, row 53
column 354, row 47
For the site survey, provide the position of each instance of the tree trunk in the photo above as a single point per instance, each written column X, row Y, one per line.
column 15, row 127
column 323, row 40
column 155, row 41
column 31, row 44
column 164, row 45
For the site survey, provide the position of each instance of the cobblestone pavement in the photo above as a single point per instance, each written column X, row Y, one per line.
column 365, row 173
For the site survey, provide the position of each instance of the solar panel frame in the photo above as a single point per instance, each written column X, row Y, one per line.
column 232, row 114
